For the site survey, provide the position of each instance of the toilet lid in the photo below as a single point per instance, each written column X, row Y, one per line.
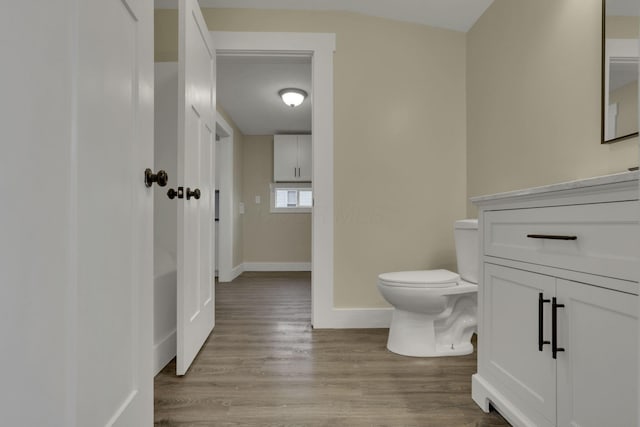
column 422, row 278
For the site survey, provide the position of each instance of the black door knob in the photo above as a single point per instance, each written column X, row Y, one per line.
column 172, row 194
column 193, row 193
column 160, row 178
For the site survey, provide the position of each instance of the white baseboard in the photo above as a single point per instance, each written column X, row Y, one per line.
column 356, row 318
column 163, row 352
column 236, row 271
column 485, row 394
column 277, row 266
column 336, row 318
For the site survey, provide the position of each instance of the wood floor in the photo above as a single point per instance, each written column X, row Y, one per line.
column 263, row 365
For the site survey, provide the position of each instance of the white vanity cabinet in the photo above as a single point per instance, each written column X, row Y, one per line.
column 558, row 305
column 597, row 375
column 292, row 158
column 510, row 358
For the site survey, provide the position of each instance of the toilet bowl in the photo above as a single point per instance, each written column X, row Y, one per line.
column 435, row 311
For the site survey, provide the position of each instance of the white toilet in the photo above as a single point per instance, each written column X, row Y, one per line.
column 435, row 311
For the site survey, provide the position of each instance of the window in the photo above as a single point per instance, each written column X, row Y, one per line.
column 291, row 198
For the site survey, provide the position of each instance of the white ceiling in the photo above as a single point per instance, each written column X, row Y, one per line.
column 457, row 15
column 247, row 89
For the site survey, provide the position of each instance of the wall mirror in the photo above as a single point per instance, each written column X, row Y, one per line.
column 620, row 60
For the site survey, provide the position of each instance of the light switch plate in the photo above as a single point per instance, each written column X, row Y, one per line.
column 257, row 200
column 241, row 208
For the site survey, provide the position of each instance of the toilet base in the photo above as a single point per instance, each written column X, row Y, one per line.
column 439, row 351
column 414, row 334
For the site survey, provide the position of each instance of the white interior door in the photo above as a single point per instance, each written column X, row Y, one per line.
column 76, row 245
column 114, row 218
column 196, row 138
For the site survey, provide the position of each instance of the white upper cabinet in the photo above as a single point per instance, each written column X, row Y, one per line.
column 304, row 157
column 292, row 158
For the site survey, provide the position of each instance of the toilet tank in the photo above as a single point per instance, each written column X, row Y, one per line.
column 465, row 235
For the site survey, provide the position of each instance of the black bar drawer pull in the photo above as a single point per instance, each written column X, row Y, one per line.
column 551, row 237
column 541, row 340
column 554, row 325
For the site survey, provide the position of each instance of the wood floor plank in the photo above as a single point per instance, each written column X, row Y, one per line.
column 265, row 366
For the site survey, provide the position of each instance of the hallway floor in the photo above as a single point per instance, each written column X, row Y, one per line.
column 263, row 365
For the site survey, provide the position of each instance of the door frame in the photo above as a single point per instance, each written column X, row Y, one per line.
column 224, row 162
column 320, row 46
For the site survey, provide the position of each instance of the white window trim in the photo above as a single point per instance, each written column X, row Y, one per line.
column 287, row 185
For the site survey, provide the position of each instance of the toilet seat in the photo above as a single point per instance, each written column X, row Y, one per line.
column 421, row 279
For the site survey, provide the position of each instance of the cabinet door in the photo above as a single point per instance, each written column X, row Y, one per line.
column 285, row 158
column 304, row 158
column 598, row 371
column 510, row 341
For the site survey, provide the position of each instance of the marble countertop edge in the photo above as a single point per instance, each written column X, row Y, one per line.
column 561, row 186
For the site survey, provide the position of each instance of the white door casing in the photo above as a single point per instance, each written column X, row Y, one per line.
column 226, row 223
column 321, row 47
column 196, row 138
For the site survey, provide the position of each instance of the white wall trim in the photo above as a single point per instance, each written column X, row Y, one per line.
column 236, row 271
column 359, row 318
column 321, row 47
column 277, row 266
column 163, row 352
column 224, row 149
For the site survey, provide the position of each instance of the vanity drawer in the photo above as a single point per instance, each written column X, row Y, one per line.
column 602, row 238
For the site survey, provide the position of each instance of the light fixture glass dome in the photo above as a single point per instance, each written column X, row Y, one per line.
column 292, row 97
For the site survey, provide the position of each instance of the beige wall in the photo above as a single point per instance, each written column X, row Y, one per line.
column 426, row 117
column 399, row 142
column 238, row 178
column 260, row 236
column 165, row 35
column 534, row 97
column 399, row 157
column 269, row 237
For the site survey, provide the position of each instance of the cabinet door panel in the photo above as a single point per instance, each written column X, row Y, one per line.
column 598, row 371
column 304, row 157
column 511, row 338
column 285, row 158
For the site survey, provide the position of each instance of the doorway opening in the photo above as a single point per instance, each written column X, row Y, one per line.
column 320, row 48
column 270, row 169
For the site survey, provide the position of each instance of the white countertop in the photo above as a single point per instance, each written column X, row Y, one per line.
column 562, row 186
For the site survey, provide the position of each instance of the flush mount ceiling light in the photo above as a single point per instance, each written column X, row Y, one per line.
column 292, row 97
